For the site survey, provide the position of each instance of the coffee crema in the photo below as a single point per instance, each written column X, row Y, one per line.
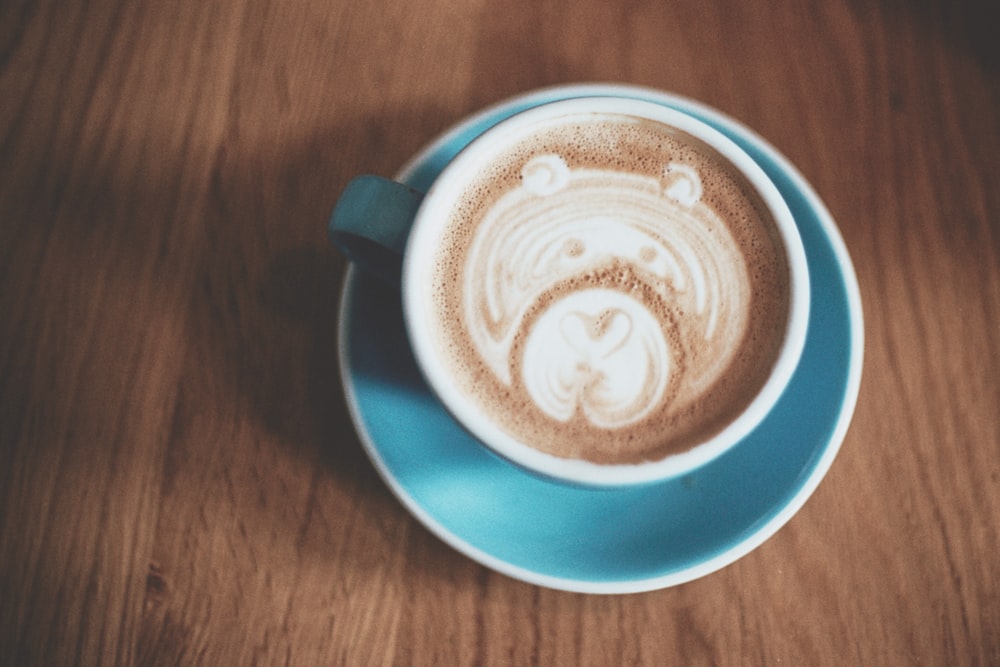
column 610, row 288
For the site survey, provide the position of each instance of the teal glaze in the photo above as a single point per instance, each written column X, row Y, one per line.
column 371, row 222
column 606, row 540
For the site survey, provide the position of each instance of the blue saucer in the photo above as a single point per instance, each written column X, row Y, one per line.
column 606, row 540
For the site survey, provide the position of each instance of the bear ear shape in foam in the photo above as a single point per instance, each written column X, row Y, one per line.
column 545, row 174
column 681, row 183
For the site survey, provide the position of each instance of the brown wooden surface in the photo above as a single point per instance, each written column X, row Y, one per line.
column 179, row 481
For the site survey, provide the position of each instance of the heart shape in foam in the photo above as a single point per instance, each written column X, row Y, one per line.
column 597, row 353
column 596, row 336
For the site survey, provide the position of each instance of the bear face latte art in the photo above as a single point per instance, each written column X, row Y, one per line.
column 607, row 287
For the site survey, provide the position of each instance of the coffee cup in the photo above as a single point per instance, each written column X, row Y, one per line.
column 602, row 290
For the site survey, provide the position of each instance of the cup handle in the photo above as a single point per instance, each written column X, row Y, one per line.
column 371, row 222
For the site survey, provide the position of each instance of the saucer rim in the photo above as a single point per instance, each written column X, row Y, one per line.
column 806, row 488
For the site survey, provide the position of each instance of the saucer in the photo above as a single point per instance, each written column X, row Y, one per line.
column 616, row 540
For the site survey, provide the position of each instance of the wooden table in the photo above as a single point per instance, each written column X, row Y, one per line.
column 179, row 480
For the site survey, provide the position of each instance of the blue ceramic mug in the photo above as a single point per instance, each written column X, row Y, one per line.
column 556, row 378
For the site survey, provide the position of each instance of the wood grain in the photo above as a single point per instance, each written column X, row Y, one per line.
column 179, row 481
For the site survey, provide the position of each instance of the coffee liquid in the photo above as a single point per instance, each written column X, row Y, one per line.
column 610, row 288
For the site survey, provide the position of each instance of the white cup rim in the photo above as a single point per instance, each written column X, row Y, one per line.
column 421, row 244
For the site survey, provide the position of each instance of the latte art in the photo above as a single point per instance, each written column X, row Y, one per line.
column 560, row 230
column 609, row 288
column 598, row 353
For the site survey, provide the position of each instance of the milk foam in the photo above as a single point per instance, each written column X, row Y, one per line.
column 564, row 224
column 598, row 352
column 610, row 289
